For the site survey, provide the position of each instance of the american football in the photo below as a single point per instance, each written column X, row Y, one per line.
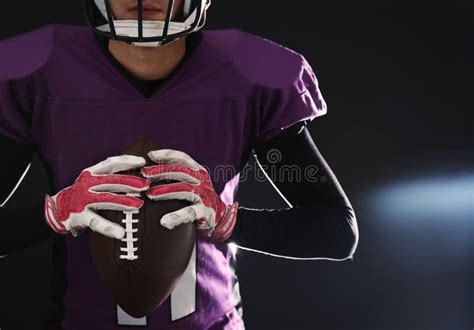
column 141, row 270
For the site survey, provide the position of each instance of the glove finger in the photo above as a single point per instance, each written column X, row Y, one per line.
column 184, row 215
column 96, row 223
column 111, row 201
column 170, row 156
column 120, row 183
column 103, row 226
column 181, row 191
column 117, row 164
column 176, row 172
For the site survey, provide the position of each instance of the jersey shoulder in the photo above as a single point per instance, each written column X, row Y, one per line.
column 26, row 53
column 261, row 61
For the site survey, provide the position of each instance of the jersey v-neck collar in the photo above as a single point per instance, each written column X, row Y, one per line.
column 148, row 88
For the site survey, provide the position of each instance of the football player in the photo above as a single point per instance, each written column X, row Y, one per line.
column 77, row 96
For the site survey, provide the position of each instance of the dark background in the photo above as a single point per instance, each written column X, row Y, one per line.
column 397, row 77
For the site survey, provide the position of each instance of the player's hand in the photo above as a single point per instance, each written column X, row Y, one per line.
column 73, row 208
column 212, row 216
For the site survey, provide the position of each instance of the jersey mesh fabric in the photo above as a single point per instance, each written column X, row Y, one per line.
column 235, row 90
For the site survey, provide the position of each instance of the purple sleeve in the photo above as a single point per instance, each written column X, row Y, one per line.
column 14, row 116
column 286, row 106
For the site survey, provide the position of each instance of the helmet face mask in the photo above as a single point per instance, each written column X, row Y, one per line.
column 145, row 32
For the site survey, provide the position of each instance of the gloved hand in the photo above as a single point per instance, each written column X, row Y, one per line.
column 73, row 208
column 213, row 217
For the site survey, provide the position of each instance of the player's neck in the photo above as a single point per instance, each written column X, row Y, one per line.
column 148, row 63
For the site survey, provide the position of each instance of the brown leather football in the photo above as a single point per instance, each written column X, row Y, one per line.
column 142, row 274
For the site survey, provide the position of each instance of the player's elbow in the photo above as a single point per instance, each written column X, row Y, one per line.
column 348, row 237
column 335, row 235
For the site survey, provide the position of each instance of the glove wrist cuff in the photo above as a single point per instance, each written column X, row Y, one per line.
column 227, row 224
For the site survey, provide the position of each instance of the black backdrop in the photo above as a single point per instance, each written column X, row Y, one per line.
column 397, row 77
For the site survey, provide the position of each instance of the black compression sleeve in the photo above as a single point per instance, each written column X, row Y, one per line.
column 321, row 224
column 21, row 223
column 16, row 159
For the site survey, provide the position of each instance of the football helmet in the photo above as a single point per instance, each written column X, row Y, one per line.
column 142, row 32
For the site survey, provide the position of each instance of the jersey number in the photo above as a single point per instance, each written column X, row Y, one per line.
column 183, row 298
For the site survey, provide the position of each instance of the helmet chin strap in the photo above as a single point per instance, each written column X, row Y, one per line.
column 151, row 28
column 129, row 28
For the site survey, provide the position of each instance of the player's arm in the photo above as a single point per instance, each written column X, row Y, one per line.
column 321, row 222
column 73, row 208
column 21, row 223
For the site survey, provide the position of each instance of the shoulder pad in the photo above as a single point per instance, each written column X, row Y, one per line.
column 268, row 64
column 26, row 53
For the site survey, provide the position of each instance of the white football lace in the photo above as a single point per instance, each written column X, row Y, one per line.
column 130, row 248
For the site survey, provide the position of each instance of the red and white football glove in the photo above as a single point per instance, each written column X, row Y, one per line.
column 72, row 209
column 213, row 217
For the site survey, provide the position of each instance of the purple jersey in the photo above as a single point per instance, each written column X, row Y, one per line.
column 59, row 92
